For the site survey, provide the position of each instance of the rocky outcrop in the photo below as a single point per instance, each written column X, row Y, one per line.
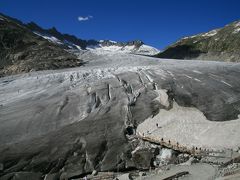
column 220, row 45
column 23, row 51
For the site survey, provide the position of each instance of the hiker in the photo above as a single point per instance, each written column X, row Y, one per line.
column 193, row 149
column 154, row 86
column 71, row 77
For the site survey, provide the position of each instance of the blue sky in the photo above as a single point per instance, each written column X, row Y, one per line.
column 156, row 22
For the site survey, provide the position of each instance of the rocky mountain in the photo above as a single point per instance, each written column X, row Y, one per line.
column 221, row 44
column 99, row 47
column 22, row 51
column 53, row 35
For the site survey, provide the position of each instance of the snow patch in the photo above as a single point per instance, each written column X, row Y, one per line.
column 188, row 37
column 49, row 38
column 210, row 33
column 236, row 30
column 129, row 49
column 237, row 24
column 147, row 50
column 101, row 41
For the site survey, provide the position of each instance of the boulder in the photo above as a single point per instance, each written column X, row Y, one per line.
column 142, row 158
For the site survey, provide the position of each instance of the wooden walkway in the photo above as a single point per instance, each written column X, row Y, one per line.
column 196, row 151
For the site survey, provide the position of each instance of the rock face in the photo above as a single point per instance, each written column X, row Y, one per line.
column 74, row 121
column 22, row 51
column 64, row 39
column 221, row 44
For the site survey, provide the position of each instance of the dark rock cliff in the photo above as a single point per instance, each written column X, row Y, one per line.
column 23, row 51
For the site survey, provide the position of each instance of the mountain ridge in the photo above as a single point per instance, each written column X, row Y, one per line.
column 73, row 42
column 222, row 44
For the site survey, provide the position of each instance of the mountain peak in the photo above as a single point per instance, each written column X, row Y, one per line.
column 54, row 30
column 136, row 43
column 103, row 46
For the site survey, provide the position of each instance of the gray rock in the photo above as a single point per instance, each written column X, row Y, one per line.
column 181, row 158
column 142, row 158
